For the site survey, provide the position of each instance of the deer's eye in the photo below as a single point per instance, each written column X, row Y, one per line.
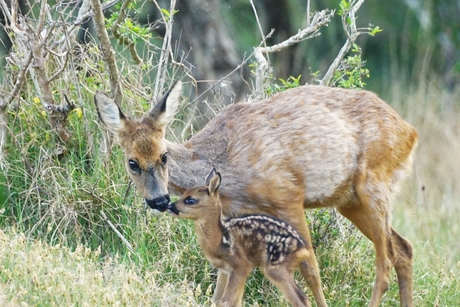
column 190, row 201
column 134, row 166
column 164, row 158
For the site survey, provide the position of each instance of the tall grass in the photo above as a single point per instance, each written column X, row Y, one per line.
column 428, row 210
column 59, row 249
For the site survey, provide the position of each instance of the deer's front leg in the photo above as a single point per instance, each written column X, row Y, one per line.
column 222, row 278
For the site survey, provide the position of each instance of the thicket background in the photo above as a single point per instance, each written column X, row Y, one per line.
column 64, row 191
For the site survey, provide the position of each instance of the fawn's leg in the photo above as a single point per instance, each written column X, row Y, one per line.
column 281, row 276
column 222, row 278
column 234, row 290
column 309, row 267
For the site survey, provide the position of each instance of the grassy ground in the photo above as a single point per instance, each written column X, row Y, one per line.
column 58, row 249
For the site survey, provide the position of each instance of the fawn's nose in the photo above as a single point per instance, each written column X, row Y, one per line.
column 159, row 203
column 172, row 208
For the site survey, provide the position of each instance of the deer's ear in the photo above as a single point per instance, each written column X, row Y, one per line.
column 109, row 112
column 165, row 109
column 213, row 181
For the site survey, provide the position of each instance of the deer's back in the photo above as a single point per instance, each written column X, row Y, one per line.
column 307, row 143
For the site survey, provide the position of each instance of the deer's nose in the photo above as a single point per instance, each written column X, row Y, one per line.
column 159, row 203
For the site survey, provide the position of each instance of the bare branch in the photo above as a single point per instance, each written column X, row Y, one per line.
column 230, row 73
column 319, row 20
column 107, row 51
column 31, row 40
column 84, row 9
column 41, row 18
column 3, row 131
column 5, row 9
column 85, row 17
column 165, row 51
column 352, row 34
column 6, row 100
column 66, row 49
column 257, row 20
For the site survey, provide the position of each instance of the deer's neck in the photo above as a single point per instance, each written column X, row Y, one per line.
column 186, row 168
column 189, row 165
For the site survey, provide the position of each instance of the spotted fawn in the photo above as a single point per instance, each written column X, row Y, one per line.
column 237, row 245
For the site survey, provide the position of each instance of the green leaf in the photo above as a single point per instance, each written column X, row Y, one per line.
column 166, row 12
column 349, row 22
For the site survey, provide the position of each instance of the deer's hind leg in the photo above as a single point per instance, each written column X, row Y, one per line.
column 403, row 267
column 370, row 211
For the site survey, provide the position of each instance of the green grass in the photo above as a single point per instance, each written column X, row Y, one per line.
column 57, row 249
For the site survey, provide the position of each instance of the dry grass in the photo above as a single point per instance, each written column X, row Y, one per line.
column 37, row 274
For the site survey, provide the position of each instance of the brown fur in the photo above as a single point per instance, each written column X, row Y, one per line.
column 238, row 244
column 307, row 147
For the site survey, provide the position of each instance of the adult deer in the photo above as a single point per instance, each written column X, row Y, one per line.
column 308, row 147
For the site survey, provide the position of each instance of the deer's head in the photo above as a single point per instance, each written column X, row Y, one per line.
column 143, row 143
column 197, row 202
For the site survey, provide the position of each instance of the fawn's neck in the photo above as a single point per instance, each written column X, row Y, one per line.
column 210, row 232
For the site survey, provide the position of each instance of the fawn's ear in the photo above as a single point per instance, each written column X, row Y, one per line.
column 213, row 181
column 109, row 112
column 165, row 109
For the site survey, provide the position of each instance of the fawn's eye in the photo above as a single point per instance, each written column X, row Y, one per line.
column 164, row 158
column 190, row 201
column 134, row 166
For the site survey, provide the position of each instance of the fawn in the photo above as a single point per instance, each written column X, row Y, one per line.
column 317, row 146
column 236, row 245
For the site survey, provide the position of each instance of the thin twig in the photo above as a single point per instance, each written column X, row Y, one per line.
column 123, row 239
column 18, row 84
column 73, row 31
column 258, row 21
column 230, row 73
column 84, row 15
column 163, row 62
column 84, row 18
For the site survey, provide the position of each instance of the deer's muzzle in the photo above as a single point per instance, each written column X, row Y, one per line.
column 159, row 203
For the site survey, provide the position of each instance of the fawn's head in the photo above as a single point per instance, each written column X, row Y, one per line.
column 195, row 202
column 143, row 143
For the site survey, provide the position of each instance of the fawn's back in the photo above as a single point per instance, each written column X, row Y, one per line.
column 261, row 238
